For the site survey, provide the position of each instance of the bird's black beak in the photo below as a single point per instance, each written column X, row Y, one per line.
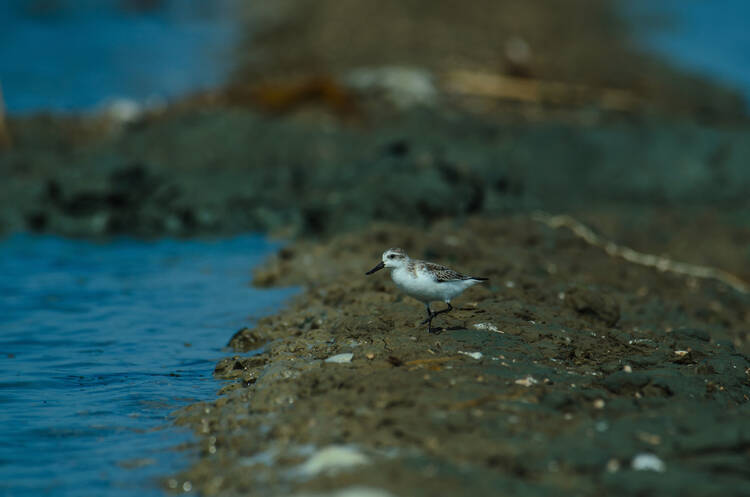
column 377, row 268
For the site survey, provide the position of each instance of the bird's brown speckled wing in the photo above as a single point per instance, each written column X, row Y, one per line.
column 443, row 273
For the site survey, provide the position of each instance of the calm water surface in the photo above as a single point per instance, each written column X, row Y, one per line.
column 76, row 55
column 707, row 37
column 100, row 342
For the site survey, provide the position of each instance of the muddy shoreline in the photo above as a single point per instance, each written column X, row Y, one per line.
column 568, row 374
column 601, row 373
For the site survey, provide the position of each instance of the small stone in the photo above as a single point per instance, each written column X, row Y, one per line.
column 473, row 355
column 341, row 358
column 648, row 462
column 627, row 368
column 361, row 492
column 487, row 327
column 370, row 355
column 599, row 404
column 333, row 458
column 527, row 382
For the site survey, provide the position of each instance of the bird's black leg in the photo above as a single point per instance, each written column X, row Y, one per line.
column 449, row 309
column 428, row 321
column 430, row 315
column 433, row 314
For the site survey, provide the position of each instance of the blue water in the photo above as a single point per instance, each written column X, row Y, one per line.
column 75, row 55
column 99, row 342
column 711, row 38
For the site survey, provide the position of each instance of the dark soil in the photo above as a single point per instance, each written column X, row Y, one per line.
column 587, row 362
column 220, row 171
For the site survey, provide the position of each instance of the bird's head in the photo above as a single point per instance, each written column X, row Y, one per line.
column 392, row 258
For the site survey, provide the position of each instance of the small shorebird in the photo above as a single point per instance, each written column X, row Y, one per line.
column 425, row 281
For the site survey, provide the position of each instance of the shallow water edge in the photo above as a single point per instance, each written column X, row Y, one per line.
column 101, row 341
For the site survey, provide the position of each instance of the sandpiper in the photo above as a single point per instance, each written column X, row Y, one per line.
column 425, row 281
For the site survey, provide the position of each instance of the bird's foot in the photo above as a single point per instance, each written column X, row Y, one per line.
column 435, row 331
column 428, row 320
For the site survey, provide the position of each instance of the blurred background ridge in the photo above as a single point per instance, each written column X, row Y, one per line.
column 61, row 55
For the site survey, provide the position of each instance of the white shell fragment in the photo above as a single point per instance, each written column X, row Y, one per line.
column 487, row 326
column 356, row 491
column 527, row 382
column 341, row 358
column 648, row 462
column 333, row 458
column 473, row 355
column 404, row 86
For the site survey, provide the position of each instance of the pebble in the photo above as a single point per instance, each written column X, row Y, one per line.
column 333, row 458
column 473, row 355
column 356, row 491
column 487, row 326
column 341, row 358
column 527, row 382
column 648, row 462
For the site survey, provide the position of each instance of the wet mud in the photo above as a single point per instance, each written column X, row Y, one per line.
column 570, row 373
column 222, row 172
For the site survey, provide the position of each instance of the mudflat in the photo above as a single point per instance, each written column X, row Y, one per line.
column 571, row 373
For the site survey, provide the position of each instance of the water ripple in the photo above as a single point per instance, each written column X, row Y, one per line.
column 94, row 340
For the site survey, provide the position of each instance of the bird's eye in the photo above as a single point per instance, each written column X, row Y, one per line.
column 391, row 256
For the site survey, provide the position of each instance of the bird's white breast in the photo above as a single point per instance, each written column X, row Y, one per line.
column 422, row 286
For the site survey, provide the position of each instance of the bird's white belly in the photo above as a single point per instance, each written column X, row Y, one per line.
column 426, row 289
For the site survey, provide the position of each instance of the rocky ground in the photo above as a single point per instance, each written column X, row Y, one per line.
column 570, row 373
